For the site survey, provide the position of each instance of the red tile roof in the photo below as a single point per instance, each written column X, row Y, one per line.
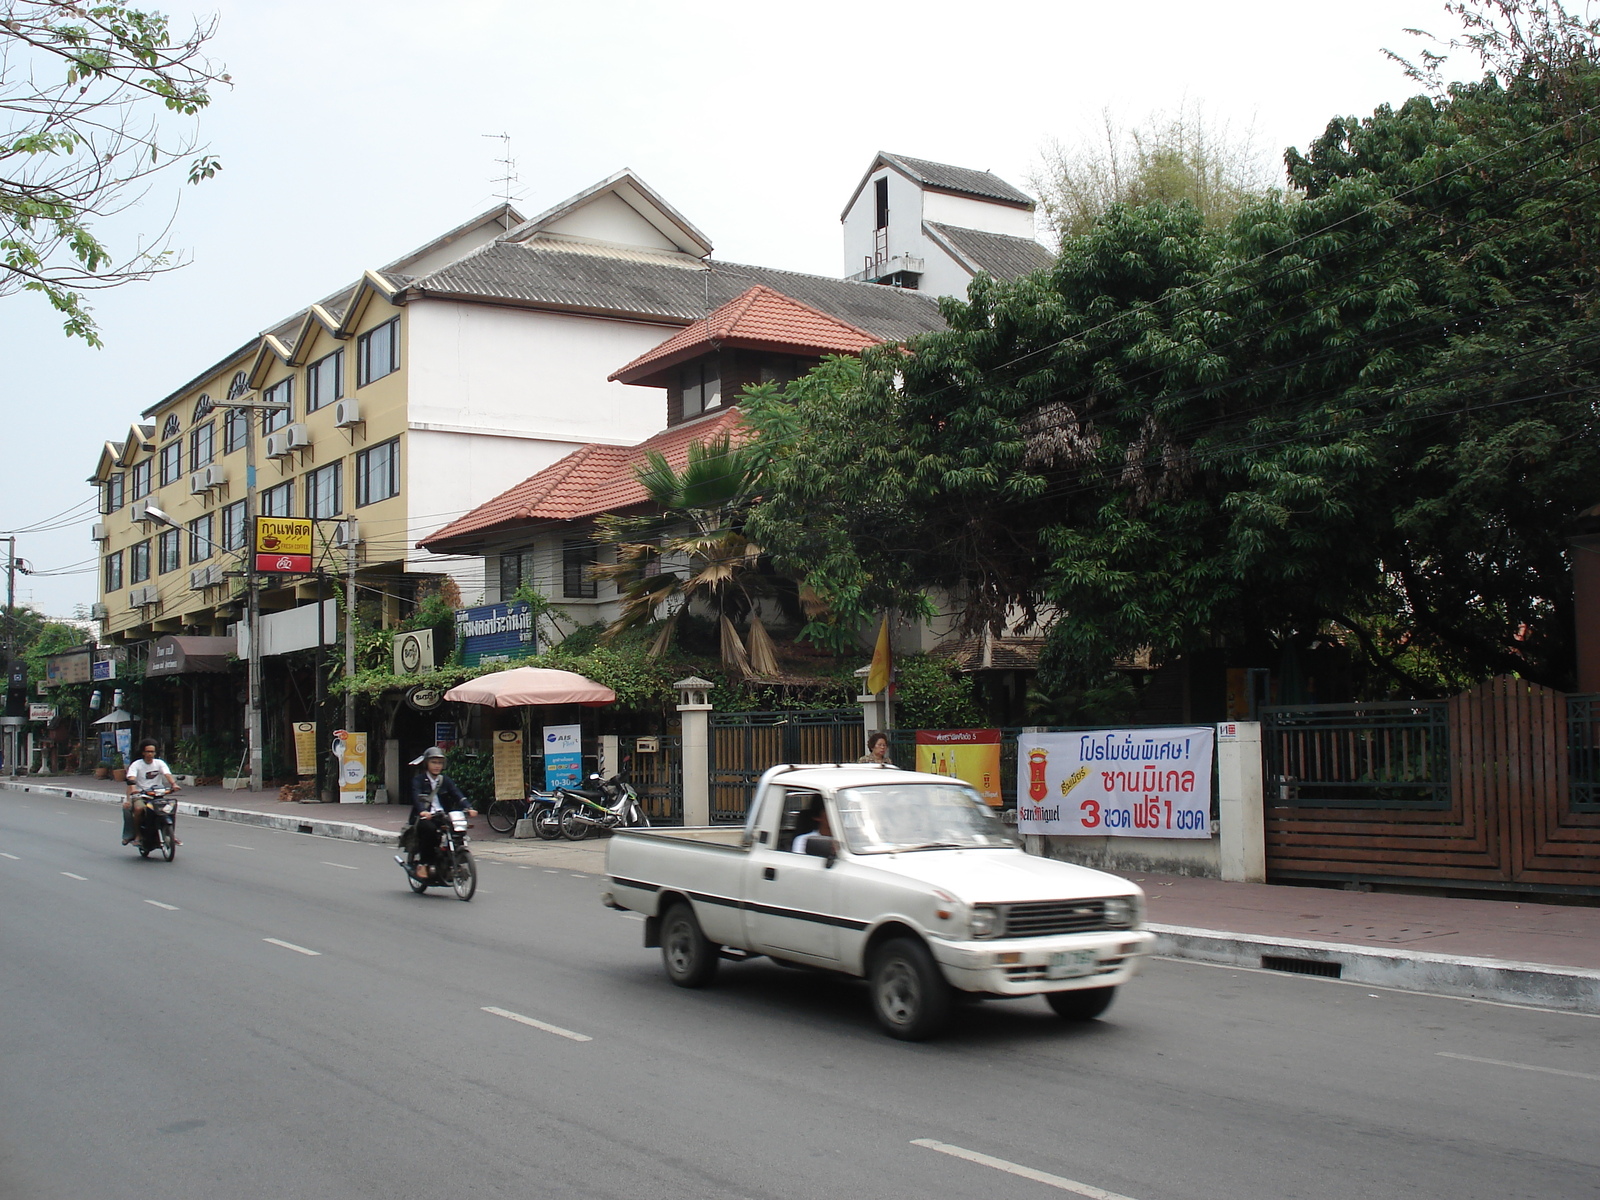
column 589, row 481
column 758, row 319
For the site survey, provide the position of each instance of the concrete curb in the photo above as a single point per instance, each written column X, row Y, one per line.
column 348, row 831
column 1573, row 989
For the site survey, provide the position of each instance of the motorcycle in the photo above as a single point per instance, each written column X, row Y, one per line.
column 604, row 805
column 157, row 831
column 453, row 866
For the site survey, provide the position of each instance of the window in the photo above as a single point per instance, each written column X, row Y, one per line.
column 201, row 541
column 281, row 392
column 113, row 571
column 171, row 427
column 278, row 501
column 782, row 370
column 880, row 196
column 239, row 386
column 325, row 490
column 202, row 409
column 171, row 462
column 139, row 562
column 235, row 428
column 141, row 479
column 325, row 381
column 233, row 527
column 111, row 494
column 378, row 473
column 576, row 559
column 378, row 352
column 202, row 445
column 516, row 569
column 702, row 389
column 167, row 552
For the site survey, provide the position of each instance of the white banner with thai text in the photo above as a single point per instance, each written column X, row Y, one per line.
column 1116, row 782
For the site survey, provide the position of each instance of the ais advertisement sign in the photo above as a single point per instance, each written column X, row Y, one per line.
column 1116, row 782
column 283, row 544
column 971, row 755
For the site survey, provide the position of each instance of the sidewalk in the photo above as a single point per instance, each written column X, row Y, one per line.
column 1507, row 950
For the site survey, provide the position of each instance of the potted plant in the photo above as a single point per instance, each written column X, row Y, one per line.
column 102, row 769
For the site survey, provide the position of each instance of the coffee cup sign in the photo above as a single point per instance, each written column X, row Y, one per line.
column 283, row 544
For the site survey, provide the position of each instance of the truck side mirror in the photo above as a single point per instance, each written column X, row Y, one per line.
column 819, row 846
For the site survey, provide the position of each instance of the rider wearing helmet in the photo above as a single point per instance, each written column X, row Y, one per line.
column 433, row 793
column 144, row 774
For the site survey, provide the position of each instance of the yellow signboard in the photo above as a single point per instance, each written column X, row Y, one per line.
column 508, row 778
column 283, row 544
column 305, row 747
column 351, row 751
column 971, row 755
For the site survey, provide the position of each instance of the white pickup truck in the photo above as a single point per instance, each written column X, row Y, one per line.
column 906, row 879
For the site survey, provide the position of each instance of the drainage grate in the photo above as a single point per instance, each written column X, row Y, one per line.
column 307, row 829
column 202, row 812
column 1301, row 966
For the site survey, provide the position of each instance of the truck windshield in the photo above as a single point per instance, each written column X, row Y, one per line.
column 886, row 818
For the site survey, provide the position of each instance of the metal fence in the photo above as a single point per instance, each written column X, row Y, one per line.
column 657, row 776
column 743, row 745
column 1583, row 752
column 1379, row 755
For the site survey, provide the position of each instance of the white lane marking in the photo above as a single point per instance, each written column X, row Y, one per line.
column 1011, row 1168
column 342, row 866
column 1495, row 1062
column 522, row 1020
column 107, row 821
column 631, row 916
column 551, row 871
column 231, row 846
column 12, row 857
column 520, row 867
column 158, row 904
column 70, row 875
column 292, row 946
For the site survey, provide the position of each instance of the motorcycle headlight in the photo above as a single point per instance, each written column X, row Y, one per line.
column 982, row 921
column 1123, row 912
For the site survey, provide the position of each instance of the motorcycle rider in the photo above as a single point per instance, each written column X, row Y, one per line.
column 144, row 773
column 433, row 793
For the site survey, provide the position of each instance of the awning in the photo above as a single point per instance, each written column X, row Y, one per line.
column 174, row 655
column 531, row 685
column 116, row 716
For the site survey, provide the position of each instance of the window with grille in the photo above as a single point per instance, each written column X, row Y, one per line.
column 576, row 559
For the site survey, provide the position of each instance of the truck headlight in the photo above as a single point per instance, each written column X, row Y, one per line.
column 1123, row 912
column 982, row 922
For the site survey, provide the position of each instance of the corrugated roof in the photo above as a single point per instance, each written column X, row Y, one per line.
column 966, row 180
column 666, row 287
column 997, row 254
column 591, row 480
column 757, row 318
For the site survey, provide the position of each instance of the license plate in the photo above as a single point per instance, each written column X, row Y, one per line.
column 1069, row 964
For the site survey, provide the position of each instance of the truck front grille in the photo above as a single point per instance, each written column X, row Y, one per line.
column 1046, row 918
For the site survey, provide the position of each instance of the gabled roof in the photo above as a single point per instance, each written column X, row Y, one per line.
column 757, row 319
column 998, row 254
column 591, row 480
column 638, row 196
column 942, row 177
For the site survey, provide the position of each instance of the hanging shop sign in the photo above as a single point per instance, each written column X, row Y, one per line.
column 413, row 651
column 71, row 666
column 495, row 633
column 424, row 698
column 970, row 755
column 1116, row 782
column 283, row 545
column 41, row 712
column 103, row 670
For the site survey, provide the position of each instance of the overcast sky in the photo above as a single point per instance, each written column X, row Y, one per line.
column 353, row 132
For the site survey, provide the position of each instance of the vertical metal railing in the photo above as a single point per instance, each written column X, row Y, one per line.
column 1583, row 753
column 1377, row 755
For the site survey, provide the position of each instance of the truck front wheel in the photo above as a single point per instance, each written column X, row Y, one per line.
column 690, row 958
column 910, row 997
column 1084, row 1004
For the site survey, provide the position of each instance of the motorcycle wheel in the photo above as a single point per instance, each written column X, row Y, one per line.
column 503, row 815
column 169, row 844
column 417, row 885
column 464, row 876
column 573, row 827
column 547, row 824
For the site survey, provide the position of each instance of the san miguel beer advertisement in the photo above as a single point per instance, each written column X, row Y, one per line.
column 1116, row 782
column 283, row 544
column 971, row 755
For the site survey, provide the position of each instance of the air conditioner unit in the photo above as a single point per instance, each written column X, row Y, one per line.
column 299, row 436
column 137, row 511
column 345, row 534
column 215, row 575
column 140, row 597
column 199, row 578
column 206, row 478
column 197, row 484
column 347, row 413
column 278, row 444
column 99, row 532
column 99, row 612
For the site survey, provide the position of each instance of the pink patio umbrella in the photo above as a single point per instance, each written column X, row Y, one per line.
column 531, row 685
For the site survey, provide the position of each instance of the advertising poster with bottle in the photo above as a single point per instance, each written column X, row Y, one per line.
column 970, row 755
column 563, row 756
column 1116, row 782
column 351, row 751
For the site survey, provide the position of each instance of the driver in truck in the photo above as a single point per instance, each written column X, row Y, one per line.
column 818, row 813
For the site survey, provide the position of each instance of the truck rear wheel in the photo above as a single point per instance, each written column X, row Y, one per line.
column 1085, row 1004
column 910, row 997
column 689, row 957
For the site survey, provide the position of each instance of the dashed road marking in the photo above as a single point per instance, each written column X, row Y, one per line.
column 631, row 916
column 292, row 946
column 12, row 857
column 341, row 866
column 551, row 871
column 70, row 875
column 1495, row 1062
column 547, row 1027
column 1011, row 1168
column 158, row 904
column 231, row 846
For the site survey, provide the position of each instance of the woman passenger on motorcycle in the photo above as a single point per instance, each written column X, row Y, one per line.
column 144, row 773
column 433, row 793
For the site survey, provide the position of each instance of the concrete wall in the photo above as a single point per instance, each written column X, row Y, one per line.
column 968, row 212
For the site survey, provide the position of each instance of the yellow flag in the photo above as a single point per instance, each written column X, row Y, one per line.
column 882, row 661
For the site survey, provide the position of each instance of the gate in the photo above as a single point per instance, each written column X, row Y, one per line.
column 743, row 745
column 1497, row 788
column 656, row 776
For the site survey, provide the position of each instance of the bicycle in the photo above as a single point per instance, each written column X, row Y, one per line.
column 504, row 815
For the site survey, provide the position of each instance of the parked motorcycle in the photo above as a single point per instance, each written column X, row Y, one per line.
column 453, row 866
column 603, row 805
column 157, row 832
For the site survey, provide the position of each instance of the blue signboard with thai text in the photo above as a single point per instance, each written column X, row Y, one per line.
column 495, row 633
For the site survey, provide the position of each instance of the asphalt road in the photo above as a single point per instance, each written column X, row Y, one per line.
column 156, row 1040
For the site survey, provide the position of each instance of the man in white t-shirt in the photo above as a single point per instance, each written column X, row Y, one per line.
column 145, row 773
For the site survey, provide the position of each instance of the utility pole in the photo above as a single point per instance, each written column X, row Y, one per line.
column 350, row 622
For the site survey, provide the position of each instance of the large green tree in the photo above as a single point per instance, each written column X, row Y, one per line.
column 1365, row 410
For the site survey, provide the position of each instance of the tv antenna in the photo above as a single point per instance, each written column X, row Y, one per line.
column 508, row 172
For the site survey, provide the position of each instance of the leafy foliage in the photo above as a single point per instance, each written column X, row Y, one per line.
column 933, row 694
